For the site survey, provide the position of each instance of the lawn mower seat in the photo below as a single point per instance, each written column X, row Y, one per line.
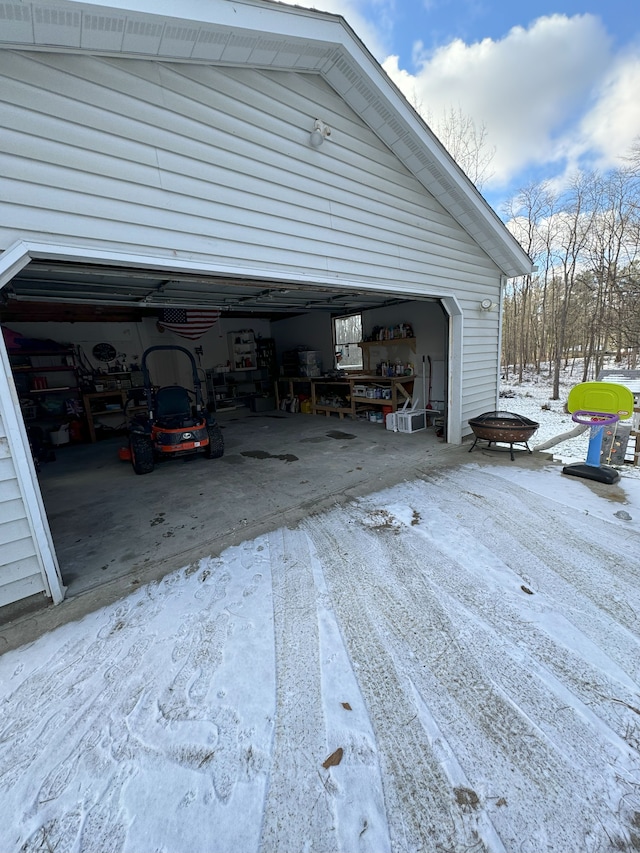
column 173, row 407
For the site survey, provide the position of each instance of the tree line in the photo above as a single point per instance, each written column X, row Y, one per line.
column 583, row 300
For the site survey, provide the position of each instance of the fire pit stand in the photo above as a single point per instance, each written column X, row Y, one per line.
column 504, row 428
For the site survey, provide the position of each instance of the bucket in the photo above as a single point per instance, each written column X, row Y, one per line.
column 60, row 436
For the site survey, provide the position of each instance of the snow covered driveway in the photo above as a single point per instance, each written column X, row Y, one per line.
column 452, row 664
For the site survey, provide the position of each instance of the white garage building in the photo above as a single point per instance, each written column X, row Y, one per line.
column 150, row 160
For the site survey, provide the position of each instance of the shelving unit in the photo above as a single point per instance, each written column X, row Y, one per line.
column 244, row 386
column 291, row 386
column 394, row 346
column 266, row 355
column 107, row 404
column 232, row 389
column 242, row 350
column 47, row 385
column 345, row 400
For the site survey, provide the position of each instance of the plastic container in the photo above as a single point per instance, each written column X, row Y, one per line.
column 310, row 357
column 60, row 435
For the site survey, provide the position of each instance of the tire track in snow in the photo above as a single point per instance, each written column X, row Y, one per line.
column 421, row 804
column 298, row 813
column 443, row 657
column 580, row 549
column 536, row 715
column 573, row 585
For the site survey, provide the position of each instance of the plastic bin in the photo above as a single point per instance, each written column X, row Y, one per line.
column 60, row 435
column 310, row 357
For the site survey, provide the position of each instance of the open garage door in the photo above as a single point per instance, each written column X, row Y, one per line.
column 189, row 502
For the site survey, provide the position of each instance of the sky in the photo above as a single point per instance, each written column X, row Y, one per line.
column 555, row 84
column 451, row 663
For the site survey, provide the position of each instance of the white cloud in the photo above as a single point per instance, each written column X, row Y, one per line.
column 613, row 123
column 551, row 95
column 529, row 89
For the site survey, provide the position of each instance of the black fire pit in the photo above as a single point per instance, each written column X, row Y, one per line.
column 503, row 427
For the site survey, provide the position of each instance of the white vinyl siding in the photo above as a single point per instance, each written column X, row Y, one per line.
column 229, row 149
column 20, row 572
column 213, row 164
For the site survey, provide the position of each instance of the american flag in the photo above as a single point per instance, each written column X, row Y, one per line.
column 189, row 323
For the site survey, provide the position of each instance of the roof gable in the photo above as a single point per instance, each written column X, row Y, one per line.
column 264, row 34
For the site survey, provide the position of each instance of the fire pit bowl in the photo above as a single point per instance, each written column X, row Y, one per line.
column 505, row 427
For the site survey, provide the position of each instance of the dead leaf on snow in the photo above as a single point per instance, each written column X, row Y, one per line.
column 346, row 706
column 334, row 759
column 466, row 797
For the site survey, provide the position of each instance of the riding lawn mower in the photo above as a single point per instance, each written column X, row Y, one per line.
column 176, row 422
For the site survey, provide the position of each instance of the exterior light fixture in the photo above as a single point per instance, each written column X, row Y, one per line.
column 319, row 133
column 487, row 305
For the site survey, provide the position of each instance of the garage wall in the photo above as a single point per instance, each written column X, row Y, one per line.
column 20, row 573
column 431, row 330
column 131, row 340
column 312, row 331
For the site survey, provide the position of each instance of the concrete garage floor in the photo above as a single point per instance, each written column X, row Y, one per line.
column 111, row 526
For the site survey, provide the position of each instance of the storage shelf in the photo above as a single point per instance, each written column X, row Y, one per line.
column 371, row 401
column 35, row 402
column 390, row 343
column 236, row 388
column 53, row 390
column 52, row 369
column 319, row 407
column 98, row 398
column 397, row 385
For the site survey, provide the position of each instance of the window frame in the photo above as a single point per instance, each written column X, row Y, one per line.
column 336, row 346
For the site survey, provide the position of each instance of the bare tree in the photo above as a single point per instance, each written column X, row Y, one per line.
column 585, row 298
column 465, row 141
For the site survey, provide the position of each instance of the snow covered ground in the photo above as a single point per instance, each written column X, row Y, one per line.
column 532, row 398
column 452, row 664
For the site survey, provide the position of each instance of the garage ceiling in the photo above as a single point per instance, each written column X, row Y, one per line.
column 44, row 287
